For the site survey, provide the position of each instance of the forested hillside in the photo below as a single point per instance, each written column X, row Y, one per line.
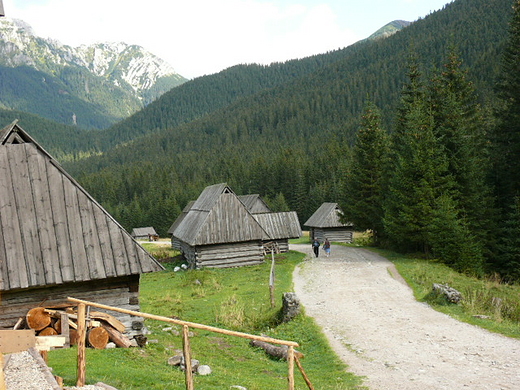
column 291, row 141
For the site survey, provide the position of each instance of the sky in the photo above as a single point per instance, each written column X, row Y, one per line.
column 202, row 37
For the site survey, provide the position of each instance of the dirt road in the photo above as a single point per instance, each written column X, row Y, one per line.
column 377, row 327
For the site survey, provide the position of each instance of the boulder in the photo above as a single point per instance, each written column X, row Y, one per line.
column 451, row 295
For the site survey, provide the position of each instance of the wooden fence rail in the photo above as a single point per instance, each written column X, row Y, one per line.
column 186, row 347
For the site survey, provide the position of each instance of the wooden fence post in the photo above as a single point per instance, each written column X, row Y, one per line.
column 82, row 333
column 187, row 357
column 290, row 363
column 271, row 279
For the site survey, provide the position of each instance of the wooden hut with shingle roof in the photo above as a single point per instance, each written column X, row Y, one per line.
column 56, row 241
column 325, row 223
column 219, row 231
column 144, row 233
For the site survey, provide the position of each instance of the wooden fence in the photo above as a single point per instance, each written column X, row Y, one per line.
column 82, row 305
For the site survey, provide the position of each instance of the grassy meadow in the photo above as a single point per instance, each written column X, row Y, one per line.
column 239, row 299
column 236, row 299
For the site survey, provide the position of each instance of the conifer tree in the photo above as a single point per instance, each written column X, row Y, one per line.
column 506, row 138
column 459, row 127
column 365, row 181
column 418, row 171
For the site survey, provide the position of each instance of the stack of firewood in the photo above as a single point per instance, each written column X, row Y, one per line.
column 101, row 327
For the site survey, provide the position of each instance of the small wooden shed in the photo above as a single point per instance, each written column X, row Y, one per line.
column 280, row 227
column 144, row 233
column 325, row 223
column 56, row 241
column 219, row 231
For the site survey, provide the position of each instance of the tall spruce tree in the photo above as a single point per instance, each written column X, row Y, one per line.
column 459, row 128
column 506, row 153
column 506, row 138
column 365, row 181
column 418, row 170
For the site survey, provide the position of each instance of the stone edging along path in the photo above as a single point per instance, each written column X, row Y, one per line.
column 376, row 326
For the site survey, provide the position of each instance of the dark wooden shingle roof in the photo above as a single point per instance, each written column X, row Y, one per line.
column 143, row 231
column 283, row 225
column 254, row 203
column 51, row 230
column 327, row 216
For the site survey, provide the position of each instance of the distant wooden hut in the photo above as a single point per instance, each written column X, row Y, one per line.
column 325, row 223
column 56, row 241
column 280, row 227
column 144, row 233
column 219, row 231
column 255, row 204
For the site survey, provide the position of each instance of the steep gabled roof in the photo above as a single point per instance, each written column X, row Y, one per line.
column 327, row 216
column 279, row 226
column 51, row 230
column 217, row 217
column 255, row 204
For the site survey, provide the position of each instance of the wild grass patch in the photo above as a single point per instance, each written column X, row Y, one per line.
column 487, row 302
column 236, row 299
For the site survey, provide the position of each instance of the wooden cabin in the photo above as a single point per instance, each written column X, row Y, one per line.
column 145, row 233
column 219, row 231
column 280, row 227
column 325, row 223
column 56, row 241
column 255, row 204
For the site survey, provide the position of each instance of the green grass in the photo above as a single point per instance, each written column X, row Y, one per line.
column 236, row 299
column 499, row 303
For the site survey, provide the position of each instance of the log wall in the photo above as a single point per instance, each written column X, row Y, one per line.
column 224, row 255
column 120, row 292
column 333, row 234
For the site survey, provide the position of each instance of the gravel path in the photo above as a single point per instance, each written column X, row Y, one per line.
column 377, row 327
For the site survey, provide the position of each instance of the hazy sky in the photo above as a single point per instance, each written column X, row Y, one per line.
column 199, row 37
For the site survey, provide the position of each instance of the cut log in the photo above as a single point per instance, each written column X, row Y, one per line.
column 48, row 331
column 73, row 336
column 113, row 321
column 98, row 338
column 37, row 318
column 117, row 337
column 275, row 351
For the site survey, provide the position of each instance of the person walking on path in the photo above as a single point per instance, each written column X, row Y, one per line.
column 316, row 247
column 326, row 247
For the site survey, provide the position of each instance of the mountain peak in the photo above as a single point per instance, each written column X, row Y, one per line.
column 389, row 29
column 125, row 65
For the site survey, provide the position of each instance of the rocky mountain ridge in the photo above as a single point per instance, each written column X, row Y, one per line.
column 133, row 74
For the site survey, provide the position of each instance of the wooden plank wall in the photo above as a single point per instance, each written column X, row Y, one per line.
column 334, row 235
column 224, row 255
column 121, row 292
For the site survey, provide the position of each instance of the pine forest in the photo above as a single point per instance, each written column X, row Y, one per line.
column 416, row 136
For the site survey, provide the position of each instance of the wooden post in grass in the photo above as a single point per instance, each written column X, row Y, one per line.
column 82, row 333
column 187, row 357
column 305, row 377
column 271, row 278
column 290, row 363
